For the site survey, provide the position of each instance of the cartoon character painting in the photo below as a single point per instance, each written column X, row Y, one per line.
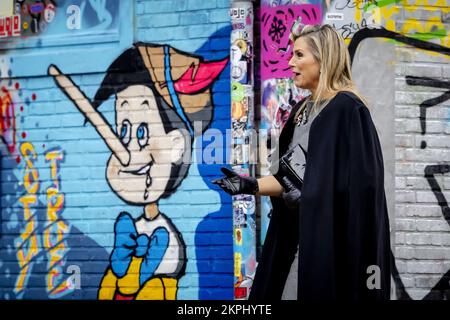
column 159, row 93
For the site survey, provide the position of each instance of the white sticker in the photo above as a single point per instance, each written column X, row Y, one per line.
column 74, row 19
column 236, row 54
column 335, row 16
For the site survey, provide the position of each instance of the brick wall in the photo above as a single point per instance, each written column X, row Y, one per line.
column 422, row 247
column 60, row 210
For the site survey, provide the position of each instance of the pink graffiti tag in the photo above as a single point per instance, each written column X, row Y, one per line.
column 7, row 120
column 276, row 23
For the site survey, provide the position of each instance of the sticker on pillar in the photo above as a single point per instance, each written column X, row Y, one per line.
column 241, row 44
column 237, row 155
column 240, row 53
column 239, row 110
column 238, row 13
column 247, row 202
column 235, row 54
column 239, row 128
column 239, row 217
column 243, row 285
column 239, row 72
column 17, row 9
column 237, row 91
column 240, row 34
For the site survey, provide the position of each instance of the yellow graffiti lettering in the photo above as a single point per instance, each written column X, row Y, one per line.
column 57, row 254
column 387, row 16
column 25, row 254
column 26, row 201
column 21, row 279
column 55, row 203
column 237, row 264
column 437, row 3
column 27, row 243
column 411, row 27
column 388, row 11
column 27, row 251
column 53, row 276
column 54, row 157
column 55, row 238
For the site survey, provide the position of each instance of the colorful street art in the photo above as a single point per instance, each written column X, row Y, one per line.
column 151, row 154
column 40, row 17
column 7, row 120
column 357, row 21
column 350, row 16
column 441, row 288
column 276, row 47
column 46, row 23
column 278, row 92
column 162, row 233
column 242, row 122
column 42, row 233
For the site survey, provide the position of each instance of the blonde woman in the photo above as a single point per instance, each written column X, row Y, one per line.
column 329, row 240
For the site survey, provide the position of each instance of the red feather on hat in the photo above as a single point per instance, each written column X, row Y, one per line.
column 197, row 78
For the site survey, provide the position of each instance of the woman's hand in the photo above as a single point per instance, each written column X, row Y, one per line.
column 291, row 194
column 234, row 184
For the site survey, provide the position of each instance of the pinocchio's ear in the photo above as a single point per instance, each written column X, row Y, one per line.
column 178, row 144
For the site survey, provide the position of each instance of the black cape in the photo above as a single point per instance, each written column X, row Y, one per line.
column 342, row 226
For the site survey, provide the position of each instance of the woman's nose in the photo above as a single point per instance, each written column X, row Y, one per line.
column 291, row 63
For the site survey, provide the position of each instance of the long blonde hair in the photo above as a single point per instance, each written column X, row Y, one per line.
column 329, row 50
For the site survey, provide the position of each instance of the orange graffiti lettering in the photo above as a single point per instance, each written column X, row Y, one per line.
column 31, row 178
column 54, row 234
column 54, row 157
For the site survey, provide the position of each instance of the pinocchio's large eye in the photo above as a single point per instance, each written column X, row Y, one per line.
column 142, row 135
column 125, row 132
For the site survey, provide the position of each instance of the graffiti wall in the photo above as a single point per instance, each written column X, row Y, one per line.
column 116, row 116
column 105, row 189
column 278, row 92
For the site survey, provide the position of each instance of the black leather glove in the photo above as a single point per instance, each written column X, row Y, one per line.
column 236, row 184
column 291, row 194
